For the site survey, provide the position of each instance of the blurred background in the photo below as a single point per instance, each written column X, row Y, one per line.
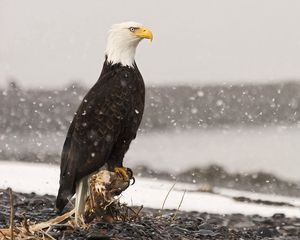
column 222, row 78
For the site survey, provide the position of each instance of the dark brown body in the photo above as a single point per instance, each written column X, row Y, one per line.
column 103, row 127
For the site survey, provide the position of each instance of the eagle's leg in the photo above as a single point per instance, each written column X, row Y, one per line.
column 82, row 188
column 115, row 163
column 125, row 173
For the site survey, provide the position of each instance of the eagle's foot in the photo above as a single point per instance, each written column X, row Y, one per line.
column 125, row 173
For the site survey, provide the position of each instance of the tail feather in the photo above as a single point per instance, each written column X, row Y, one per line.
column 61, row 202
column 65, row 193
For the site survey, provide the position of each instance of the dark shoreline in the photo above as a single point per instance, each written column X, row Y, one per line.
column 155, row 224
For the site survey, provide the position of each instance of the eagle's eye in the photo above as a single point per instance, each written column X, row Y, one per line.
column 132, row 29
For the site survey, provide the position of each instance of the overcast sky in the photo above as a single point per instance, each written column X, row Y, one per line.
column 50, row 43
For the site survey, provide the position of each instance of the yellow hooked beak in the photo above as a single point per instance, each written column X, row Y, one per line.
column 144, row 32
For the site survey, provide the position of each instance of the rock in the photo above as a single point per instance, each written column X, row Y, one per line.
column 96, row 236
column 267, row 232
column 278, row 215
column 205, row 226
column 206, row 233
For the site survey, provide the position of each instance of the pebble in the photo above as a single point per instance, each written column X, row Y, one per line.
column 267, row 232
column 96, row 236
column 204, row 232
column 205, row 226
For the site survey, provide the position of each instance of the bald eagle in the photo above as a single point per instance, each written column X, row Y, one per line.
column 107, row 119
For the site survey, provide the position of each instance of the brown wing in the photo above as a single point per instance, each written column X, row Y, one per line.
column 93, row 132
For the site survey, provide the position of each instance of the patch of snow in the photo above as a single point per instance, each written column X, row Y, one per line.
column 29, row 177
column 42, row 179
column 151, row 193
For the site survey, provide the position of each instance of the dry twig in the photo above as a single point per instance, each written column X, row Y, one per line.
column 27, row 231
column 59, row 219
column 175, row 214
column 3, row 235
column 136, row 214
column 162, row 207
column 47, row 234
column 11, row 218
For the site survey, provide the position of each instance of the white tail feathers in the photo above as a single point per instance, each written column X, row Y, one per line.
column 82, row 188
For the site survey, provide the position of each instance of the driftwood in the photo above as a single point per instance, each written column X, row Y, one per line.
column 102, row 204
column 103, row 200
column 28, row 230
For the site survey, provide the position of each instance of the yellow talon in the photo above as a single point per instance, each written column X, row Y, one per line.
column 123, row 172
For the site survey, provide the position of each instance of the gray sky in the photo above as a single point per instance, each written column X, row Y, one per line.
column 50, row 43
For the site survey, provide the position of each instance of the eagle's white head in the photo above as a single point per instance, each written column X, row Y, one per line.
column 122, row 41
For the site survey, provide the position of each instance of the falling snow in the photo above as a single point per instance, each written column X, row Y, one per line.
column 34, row 123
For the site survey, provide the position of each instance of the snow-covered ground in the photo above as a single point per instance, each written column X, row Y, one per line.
column 41, row 178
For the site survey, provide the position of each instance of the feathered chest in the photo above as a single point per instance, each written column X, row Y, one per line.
column 115, row 104
column 132, row 84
